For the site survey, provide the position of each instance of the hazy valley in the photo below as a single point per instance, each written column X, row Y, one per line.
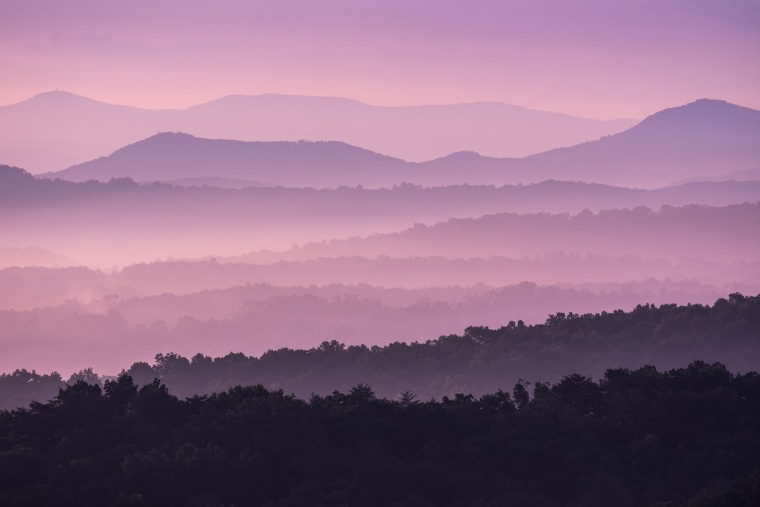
column 178, row 243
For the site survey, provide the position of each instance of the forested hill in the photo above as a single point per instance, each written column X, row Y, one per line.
column 480, row 361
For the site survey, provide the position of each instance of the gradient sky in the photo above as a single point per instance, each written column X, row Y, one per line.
column 596, row 58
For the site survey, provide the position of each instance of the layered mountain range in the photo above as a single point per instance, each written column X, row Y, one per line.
column 704, row 139
column 191, row 222
column 224, row 235
column 54, row 130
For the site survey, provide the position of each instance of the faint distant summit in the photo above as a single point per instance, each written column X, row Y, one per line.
column 710, row 112
column 58, row 99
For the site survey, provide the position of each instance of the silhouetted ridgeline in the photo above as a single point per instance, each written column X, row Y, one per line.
column 481, row 360
column 684, row 437
column 53, row 130
column 704, row 138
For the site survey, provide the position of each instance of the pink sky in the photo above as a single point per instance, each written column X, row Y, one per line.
column 596, row 58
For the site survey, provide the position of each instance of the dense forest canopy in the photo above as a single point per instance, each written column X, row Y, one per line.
column 687, row 436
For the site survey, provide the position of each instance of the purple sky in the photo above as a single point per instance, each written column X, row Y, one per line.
column 595, row 58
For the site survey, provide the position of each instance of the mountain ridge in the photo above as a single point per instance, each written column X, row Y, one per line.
column 702, row 139
column 690, row 140
column 298, row 158
column 54, row 130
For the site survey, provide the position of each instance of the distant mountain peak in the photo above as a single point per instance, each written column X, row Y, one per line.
column 703, row 110
column 705, row 105
column 170, row 135
column 57, row 93
column 170, row 156
column 55, row 100
column 462, row 156
column 54, row 96
column 466, row 158
column 706, row 101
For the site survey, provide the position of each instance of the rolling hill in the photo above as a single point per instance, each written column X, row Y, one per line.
column 54, row 130
column 171, row 156
column 703, row 139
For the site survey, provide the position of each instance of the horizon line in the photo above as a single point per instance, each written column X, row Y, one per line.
column 334, row 97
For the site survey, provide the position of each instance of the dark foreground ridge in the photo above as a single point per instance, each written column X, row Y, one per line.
column 688, row 436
